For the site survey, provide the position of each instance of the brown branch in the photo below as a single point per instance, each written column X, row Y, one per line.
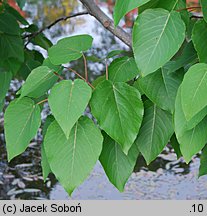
column 75, row 72
column 85, row 66
column 96, row 12
column 33, row 35
column 60, row 77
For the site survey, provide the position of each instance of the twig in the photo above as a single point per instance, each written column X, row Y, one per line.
column 75, row 72
column 32, row 35
column 60, row 77
column 85, row 66
column 189, row 8
column 43, row 101
column 107, row 23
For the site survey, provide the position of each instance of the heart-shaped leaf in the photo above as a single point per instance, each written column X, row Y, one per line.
column 193, row 90
column 157, row 36
column 72, row 160
column 22, row 120
column 119, row 110
column 155, row 132
column 118, row 166
column 69, row 49
column 67, row 101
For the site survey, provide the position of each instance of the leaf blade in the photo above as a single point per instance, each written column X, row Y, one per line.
column 119, row 111
column 67, row 101
column 157, row 36
column 22, row 120
column 68, row 156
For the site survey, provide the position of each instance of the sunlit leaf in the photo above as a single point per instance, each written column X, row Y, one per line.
column 22, row 120
column 72, row 160
column 69, row 49
column 68, row 100
column 118, row 166
column 119, row 110
column 155, row 132
column 157, row 36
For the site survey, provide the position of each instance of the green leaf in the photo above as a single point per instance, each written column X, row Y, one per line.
column 39, row 81
column 5, row 79
column 192, row 141
column 72, row 160
column 98, row 80
column 176, row 146
column 1, row 105
column 123, row 69
column 204, row 8
column 26, row 68
column 114, row 53
column 161, row 88
column 21, row 3
column 67, row 101
column 12, row 28
column 11, row 47
column 47, row 123
column 46, row 170
column 193, row 90
column 42, row 41
column 185, row 60
column 16, row 14
column 180, row 122
column 122, row 7
column 191, row 135
column 22, row 120
column 199, row 37
column 69, row 49
column 119, row 110
column 118, row 166
column 48, row 63
column 157, row 36
column 169, row 5
column 203, row 162
column 155, row 132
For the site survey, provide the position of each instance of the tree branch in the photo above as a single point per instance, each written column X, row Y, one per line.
column 32, row 35
column 96, row 12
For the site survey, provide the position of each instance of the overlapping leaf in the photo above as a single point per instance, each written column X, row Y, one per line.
column 123, row 69
column 68, row 101
column 122, row 7
column 69, row 49
column 191, row 134
column 204, row 8
column 118, row 166
column 44, row 162
column 155, row 132
column 72, row 160
column 161, row 88
column 157, row 36
column 22, row 120
column 5, row 79
column 119, row 110
column 203, row 162
column 199, row 37
column 40, row 80
column 193, row 90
